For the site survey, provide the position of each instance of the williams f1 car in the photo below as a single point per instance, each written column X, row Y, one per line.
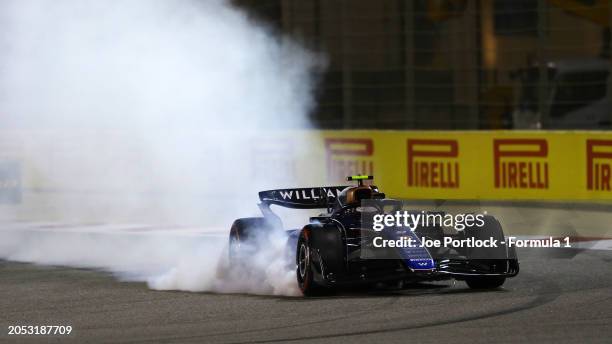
column 335, row 248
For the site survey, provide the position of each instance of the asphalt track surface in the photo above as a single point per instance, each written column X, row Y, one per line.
column 560, row 296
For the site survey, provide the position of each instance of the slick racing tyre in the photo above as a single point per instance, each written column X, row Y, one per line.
column 247, row 236
column 487, row 256
column 304, row 270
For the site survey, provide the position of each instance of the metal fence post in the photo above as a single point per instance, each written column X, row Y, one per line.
column 542, row 64
column 347, row 91
column 410, row 115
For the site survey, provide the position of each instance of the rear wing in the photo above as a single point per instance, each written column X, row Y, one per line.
column 301, row 198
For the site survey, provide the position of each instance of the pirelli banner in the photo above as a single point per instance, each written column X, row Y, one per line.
column 476, row 164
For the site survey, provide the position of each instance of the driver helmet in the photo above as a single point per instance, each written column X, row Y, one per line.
column 354, row 194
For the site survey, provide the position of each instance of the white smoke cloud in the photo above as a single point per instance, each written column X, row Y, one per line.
column 165, row 260
column 144, row 111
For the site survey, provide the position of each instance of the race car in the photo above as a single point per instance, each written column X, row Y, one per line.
column 336, row 249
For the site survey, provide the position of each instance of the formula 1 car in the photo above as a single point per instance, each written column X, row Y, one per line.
column 331, row 250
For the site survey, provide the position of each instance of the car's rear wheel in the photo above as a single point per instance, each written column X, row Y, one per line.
column 247, row 235
column 304, row 270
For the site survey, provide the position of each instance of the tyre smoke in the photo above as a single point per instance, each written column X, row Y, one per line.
column 146, row 112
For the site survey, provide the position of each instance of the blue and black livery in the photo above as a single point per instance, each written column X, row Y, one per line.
column 329, row 250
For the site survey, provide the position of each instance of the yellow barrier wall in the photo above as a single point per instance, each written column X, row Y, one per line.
column 476, row 164
column 537, row 165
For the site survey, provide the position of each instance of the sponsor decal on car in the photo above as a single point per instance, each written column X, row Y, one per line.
column 308, row 193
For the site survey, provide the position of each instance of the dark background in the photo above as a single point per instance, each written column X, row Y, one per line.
column 453, row 64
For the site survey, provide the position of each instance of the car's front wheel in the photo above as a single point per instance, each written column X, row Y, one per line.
column 487, row 256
